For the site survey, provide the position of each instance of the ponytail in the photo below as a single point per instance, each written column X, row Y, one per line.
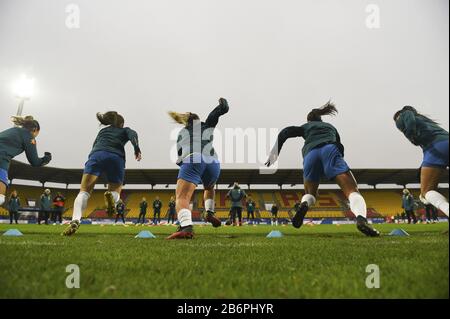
column 414, row 111
column 27, row 122
column 184, row 118
column 111, row 118
column 316, row 114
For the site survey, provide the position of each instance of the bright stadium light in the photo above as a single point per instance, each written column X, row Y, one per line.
column 23, row 89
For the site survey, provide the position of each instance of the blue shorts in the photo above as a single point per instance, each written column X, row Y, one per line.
column 324, row 161
column 200, row 169
column 110, row 164
column 436, row 155
column 4, row 176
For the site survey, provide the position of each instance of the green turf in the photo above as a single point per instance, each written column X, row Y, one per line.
column 325, row 261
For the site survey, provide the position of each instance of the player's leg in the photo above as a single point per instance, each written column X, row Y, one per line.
column 184, row 193
column 209, row 177
column 240, row 216
column 87, row 186
column 348, row 185
column 429, row 180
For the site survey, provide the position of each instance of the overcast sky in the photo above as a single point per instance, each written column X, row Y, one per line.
column 273, row 60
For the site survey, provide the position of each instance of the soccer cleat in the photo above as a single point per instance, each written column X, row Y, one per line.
column 183, row 233
column 364, row 227
column 211, row 218
column 110, row 205
column 297, row 221
column 72, row 228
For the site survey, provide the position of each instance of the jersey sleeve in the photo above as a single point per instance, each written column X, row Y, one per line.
column 29, row 145
column 133, row 137
column 285, row 134
column 213, row 117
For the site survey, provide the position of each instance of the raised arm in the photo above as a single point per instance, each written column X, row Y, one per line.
column 221, row 109
column 288, row 132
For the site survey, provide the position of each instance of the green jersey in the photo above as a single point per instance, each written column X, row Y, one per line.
column 236, row 195
column 15, row 141
column 113, row 139
column 420, row 130
column 315, row 133
column 251, row 206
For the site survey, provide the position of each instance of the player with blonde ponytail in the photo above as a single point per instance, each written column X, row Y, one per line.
column 198, row 165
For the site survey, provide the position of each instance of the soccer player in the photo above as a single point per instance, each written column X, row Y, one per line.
column 157, row 205
column 323, row 156
column 236, row 195
column 198, row 164
column 408, row 206
column 251, row 206
column 107, row 156
column 274, row 212
column 58, row 203
column 172, row 211
column 142, row 211
column 15, row 141
column 433, row 139
column 45, row 207
column 120, row 211
column 13, row 207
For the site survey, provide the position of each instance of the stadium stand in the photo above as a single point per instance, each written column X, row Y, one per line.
column 330, row 204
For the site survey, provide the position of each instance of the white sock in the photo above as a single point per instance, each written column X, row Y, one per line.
column 310, row 199
column 437, row 200
column 116, row 197
column 423, row 200
column 357, row 204
column 80, row 205
column 209, row 205
column 2, row 199
column 185, row 217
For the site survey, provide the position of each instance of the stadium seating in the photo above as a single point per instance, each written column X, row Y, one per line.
column 330, row 204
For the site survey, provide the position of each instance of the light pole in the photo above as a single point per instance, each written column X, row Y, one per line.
column 23, row 90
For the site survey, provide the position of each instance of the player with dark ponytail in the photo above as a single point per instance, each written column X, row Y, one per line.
column 323, row 156
column 433, row 139
column 198, row 165
column 15, row 141
column 108, row 157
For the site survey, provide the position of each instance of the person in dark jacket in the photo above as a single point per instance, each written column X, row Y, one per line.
column 13, row 207
column 236, row 195
column 107, row 157
column 274, row 212
column 45, row 207
column 433, row 140
column 408, row 206
column 15, row 141
column 171, row 213
column 142, row 211
column 251, row 207
column 157, row 205
column 323, row 157
column 120, row 211
column 58, row 207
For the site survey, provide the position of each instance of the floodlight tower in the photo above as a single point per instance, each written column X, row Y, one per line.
column 23, row 90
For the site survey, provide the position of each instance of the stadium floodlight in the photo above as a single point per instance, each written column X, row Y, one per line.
column 23, row 89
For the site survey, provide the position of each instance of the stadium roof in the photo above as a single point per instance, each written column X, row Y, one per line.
column 23, row 171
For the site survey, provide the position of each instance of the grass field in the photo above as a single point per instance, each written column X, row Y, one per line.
column 324, row 261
